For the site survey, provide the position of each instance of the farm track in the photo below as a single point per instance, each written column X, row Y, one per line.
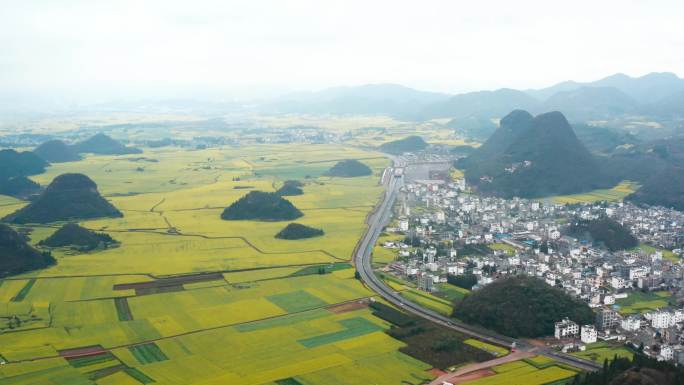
column 162, row 276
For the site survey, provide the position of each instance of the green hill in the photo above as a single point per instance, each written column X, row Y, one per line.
column 533, row 157
column 291, row 188
column 298, row 231
column 262, row 206
column 104, row 145
column 408, row 144
column 71, row 234
column 521, row 306
column 603, row 230
column 19, row 187
column 349, row 168
column 13, row 163
column 17, row 256
column 68, row 197
column 56, row 151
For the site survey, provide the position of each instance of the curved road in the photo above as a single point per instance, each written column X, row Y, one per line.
column 362, row 260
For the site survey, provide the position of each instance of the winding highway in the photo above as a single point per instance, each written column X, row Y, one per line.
column 377, row 220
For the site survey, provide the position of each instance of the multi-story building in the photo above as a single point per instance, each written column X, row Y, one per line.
column 606, row 319
column 588, row 334
column 566, row 329
column 661, row 319
column 630, row 324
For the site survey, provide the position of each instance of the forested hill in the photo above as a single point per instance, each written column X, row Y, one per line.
column 349, row 168
column 68, row 197
column 521, row 306
column 533, row 157
column 263, row 206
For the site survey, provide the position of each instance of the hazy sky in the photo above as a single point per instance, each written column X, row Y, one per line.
column 139, row 48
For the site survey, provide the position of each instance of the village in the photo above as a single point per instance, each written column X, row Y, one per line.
column 454, row 235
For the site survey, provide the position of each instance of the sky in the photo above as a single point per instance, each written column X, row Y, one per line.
column 91, row 50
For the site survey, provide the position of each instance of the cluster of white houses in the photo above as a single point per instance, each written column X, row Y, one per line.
column 658, row 333
column 450, row 231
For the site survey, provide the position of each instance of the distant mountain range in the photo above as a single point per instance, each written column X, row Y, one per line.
column 659, row 94
column 386, row 99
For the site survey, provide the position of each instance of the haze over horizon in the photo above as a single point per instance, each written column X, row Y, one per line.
column 97, row 50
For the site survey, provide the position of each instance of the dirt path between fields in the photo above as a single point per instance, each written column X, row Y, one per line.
column 453, row 378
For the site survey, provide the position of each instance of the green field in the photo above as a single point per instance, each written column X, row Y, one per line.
column 600, row 351
column 266, row 320
column 639, row 302
column 616, row 193
column 648, row 249
column 521, row 372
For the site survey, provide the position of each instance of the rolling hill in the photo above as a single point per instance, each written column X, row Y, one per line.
column 481, row 104
column 370, row 99
column 408, row 144
column 56, row 151
column 104, row 145
column 13, row 163
column 68, row 197
column 71, row 234
column 349, row 168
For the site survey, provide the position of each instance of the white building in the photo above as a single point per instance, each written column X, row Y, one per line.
column 630, row 324
column 678, row 315
column 667, row 352
column 589, row 334
column 565, row 329
column 617, row 282
column 403, row 224
column 661, row 320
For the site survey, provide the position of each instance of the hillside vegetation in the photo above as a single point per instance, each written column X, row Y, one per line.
column 521, row 306
column 17, row 256
column 603, row 230
column 263, row 206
